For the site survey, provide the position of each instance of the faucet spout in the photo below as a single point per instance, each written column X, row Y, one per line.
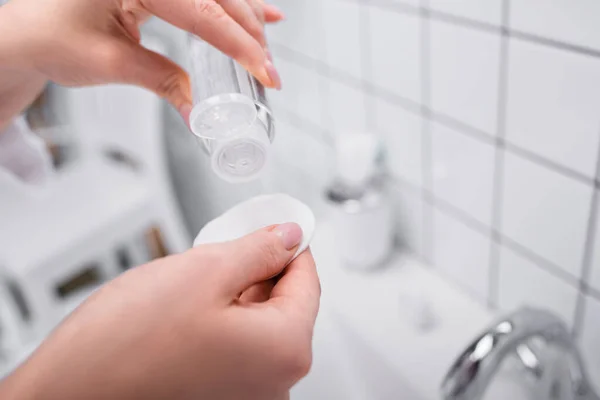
column 473, row 371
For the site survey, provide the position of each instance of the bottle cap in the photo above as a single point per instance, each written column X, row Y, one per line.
column 241, row 158
column 223, row 116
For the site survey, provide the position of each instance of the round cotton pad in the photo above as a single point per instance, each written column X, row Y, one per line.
column 257, row 213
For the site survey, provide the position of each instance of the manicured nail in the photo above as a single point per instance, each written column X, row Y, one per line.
column 273, row 74
column 185, row 110
column 290, row 233
column 278, row 15
column 269, row 55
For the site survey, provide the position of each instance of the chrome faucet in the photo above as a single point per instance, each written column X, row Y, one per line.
column 473, row 371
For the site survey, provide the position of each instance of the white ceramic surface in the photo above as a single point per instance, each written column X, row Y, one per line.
column 463, row 171
column 402, row 134
column 589, row 338
column 409, row 214
column 489, row 11
column 292, row 33
column 464, row 74
column 397, row 71
column 461, row 254
column 257, row 213
column 595, row 273
column 341, row 44
column 545, row 211
column 563, row 20
column 553, row 104
column 302, row 95
column 522, row 282
column 345, row 108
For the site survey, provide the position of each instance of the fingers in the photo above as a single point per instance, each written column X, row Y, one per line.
column 128, row 62
column 247, row 16
column 258, row 257
column 272, row 14
column 259, row 293
column 299, row 287
column 209, row 20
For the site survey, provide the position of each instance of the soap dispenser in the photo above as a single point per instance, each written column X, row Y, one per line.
column 360, row 202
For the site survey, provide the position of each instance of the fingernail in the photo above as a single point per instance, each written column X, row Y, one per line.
column 185, row 110
column 280, row 16
column 269, row 55
column 290, row 233
column 273, row 74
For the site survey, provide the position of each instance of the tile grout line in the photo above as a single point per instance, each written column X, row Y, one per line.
column 555, row 44
column 426, row 134
column 429, row 115
column 364, row 49
column 539, row 261
column 458, row 126
column 498, row 177
column 478, row 226
column 467, row 22
column 470, row 222
column 593, row 293
column 588, row 254
column 321, row 69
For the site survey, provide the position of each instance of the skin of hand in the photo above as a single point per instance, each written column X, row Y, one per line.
column 92, row 42
column 209, row 323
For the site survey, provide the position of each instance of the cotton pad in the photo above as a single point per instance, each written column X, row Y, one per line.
column 257, row 213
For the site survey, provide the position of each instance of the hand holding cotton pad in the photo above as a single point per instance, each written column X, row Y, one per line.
column 257, row 213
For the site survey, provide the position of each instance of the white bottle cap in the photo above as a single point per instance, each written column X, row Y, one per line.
column 235, row 134
column 222, row 116
column 241, row 158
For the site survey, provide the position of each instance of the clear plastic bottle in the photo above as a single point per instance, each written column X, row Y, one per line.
column 230, row 115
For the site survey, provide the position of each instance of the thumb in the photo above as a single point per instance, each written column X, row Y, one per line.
column 157, row 73
column 259, row 256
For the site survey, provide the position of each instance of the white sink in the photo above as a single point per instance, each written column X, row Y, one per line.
column 379, row 352
column 367, row 345
column 344, row 368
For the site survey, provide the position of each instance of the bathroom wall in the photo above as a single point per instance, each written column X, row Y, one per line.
column 491, row 115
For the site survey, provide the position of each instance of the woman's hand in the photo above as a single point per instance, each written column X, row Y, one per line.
column 205, row 324
column 90, row 42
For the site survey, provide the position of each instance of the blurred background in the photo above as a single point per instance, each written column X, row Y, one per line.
column 489, row 113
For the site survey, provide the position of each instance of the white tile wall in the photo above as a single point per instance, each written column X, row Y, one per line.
column 571, row 21
column 303, row 87
column 523, row 283
column 551, row 125
column 464, row 74
column 553, row 103
column 590, row 335
column 300, row 164
column 395, row 58
column 461, row 254
column 345, row 109
column 463, row 171
column 546, row 212
column 489, row 11
column 401, row 132
column 286, row 98
column 343, row 43
column 409, row 215
column 291, row 32
column 414, row 3
column 595, row 265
